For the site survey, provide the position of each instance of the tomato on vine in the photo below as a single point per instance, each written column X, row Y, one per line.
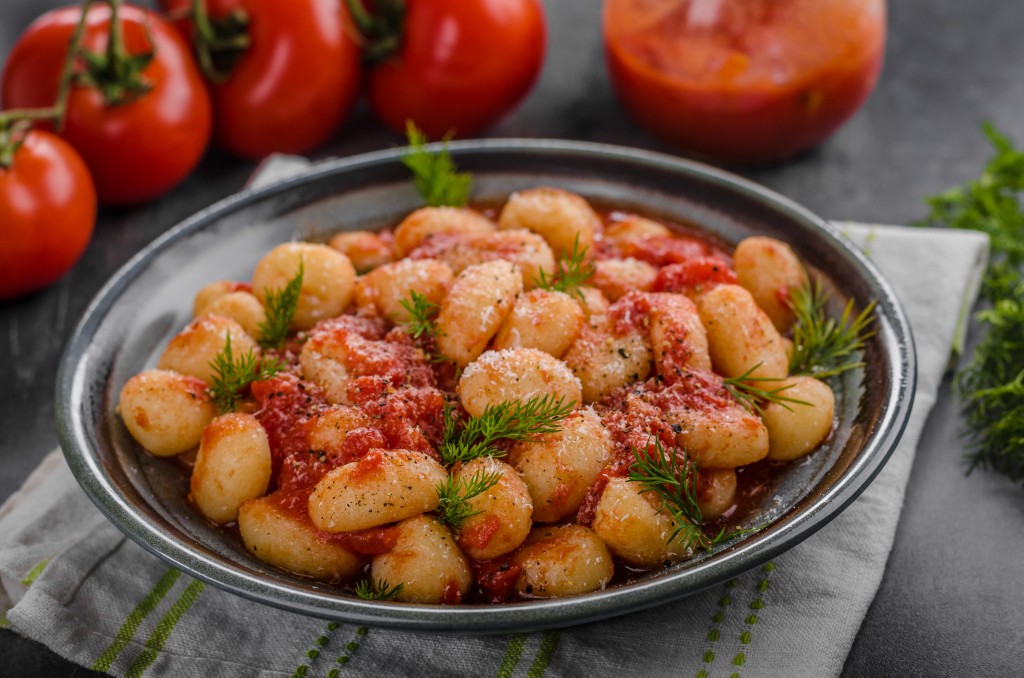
column 283, row 75
column 449, row 66
column 137, row 111
column 47, row 209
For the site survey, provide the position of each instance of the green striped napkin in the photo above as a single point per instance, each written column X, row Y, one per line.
column 73, row 582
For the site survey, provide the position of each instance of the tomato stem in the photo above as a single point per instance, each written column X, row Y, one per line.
column 115, row 73
column 15, row 124
column 381, row 30
column 219, row 44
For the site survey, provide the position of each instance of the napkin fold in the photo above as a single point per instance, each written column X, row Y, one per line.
column 70, row 580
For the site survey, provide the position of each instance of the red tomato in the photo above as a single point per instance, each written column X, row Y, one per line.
column 135, row 150
column 47, row 213
column 295, row 84
column 756, row 80
column 461, row 65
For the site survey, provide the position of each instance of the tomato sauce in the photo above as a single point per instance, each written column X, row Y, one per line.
column 755, row 80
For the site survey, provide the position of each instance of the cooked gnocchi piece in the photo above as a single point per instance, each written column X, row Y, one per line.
column 242, row 307
column 475, row 308
column 563, row 561
column 541, row 319
column 618, row 277
column 605, row 361
column 796, row 428
column 559, row 468
column 634, row 528
column 431, row 221
column 502, row 516
column 741, row 336
column 563, row 219
column 233, row 466
column 281, row 538
column 382, row 487
column 328, row 278
column 193, row 350
column 164, row 411
column 720, row 438
column 769, row 270
column 515, row 375
column 365, row 250
column 390, row 287
column 427, row 562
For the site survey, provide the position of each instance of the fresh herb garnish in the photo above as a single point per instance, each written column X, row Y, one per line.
column 822, row 346
column 510, row 420
column 661, row 472
column 991, row 387
column 281, row 306
column 572, row 272
column 455, row 492
column 990, row 204
column 434, row 174
column 234, row 374
column 421, row 315
column 751, row 396
column 367, row 589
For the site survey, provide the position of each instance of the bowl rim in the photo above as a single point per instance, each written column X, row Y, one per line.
column 749, row 552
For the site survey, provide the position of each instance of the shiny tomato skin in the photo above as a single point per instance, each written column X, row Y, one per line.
column 137, row 150
column 47, row 214
column 461, row 65
column 292, row 89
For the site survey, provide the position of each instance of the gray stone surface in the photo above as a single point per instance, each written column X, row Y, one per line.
column 952, row 599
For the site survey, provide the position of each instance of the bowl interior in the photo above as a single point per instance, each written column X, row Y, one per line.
column 131, row 320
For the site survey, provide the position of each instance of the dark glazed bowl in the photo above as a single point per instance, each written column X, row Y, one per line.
column 149, row 300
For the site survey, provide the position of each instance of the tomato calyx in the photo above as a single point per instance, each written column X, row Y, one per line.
column 380, row 30
column 17, row 123
column 219, row 43
column 116, row 74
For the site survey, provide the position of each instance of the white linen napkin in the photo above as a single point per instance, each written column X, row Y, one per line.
column 72, row 581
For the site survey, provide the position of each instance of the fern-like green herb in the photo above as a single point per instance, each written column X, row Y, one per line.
column 233, row 374
column 661, row 472
column 434, row 174
column 990, row 204
column 281, row 306
column 572, row 272
column 822, row 346
column 367, row 589
column 454, row 495
column 743, row 388
column 511, row 420
column 991, row 387
column 421, row 315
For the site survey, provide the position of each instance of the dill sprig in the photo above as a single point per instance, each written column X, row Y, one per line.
column 421, row 315
column 454, row 495
column 990, row 204
column 822, row 346
column 434, row 174
column 750, row 396
column 991, row 387
column 367, row 589
column 992, row 390
column 572, row 272
column 661, row 472
column 281, row 306
column 510, row 420
column 233, row 374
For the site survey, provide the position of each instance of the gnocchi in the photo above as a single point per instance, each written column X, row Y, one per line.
column 465, row 420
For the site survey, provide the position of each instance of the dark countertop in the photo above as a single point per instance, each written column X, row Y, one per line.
column 952, row 598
